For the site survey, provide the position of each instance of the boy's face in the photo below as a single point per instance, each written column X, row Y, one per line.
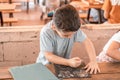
column 63, row 34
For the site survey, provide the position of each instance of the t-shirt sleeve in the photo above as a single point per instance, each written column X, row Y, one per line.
column 46, row 42
column 80, row 36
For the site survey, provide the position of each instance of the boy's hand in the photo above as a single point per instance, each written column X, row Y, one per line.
column 74, row 62
column 92, row 67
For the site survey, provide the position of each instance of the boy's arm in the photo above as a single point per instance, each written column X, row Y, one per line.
column 92, row 66
column 113, row 50
column 73, row 62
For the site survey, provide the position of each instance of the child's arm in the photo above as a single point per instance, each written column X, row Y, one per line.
column 73, row 62
column 107, row 8
column 92, row 66
column 106, row 14
column 113, row 50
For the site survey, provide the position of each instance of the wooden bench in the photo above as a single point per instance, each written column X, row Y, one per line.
column 17, row 3
column 10, row 20
column 27, row 2
column 109, row 71
column 7, row 1
column 12, row 11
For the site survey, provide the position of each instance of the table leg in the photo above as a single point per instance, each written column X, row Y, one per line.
column 27, row 6
column 10, row 14
column 10, row 1
column 100, row 16
column 1, row 18
column 38, row 1
column 88, row 15
column 66, row 1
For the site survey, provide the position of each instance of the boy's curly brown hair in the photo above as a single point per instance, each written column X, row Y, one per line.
column 66, row 18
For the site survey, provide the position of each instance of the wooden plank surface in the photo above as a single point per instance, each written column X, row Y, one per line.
column 109, row 71
column 12, row 11
column 6, row 6
column 110, row 68
column 79, row 5
column 100, row 77
column 102, row 26
column 22, row 0
column 94, row 4
column 4, row 73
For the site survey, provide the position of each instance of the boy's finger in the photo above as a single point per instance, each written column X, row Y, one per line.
column 88, row 69
column 92, row 71
column 77, row 58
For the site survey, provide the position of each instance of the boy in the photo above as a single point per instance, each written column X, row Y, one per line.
column 58, row 36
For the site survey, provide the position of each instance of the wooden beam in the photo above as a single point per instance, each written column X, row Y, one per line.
column 102, row 26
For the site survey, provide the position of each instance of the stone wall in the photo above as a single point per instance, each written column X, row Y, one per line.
column 20, row 45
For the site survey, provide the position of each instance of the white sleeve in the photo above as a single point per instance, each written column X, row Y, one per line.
column 117, row 37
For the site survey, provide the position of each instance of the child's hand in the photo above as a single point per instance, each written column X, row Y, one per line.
column 92, row 67
column 74, row 62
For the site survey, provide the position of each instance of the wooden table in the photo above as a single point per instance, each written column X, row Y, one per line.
column 98, row 8
column 85, row 5
column 96, row 5
column 27, row 1
column 109, row 71
column 79, row 5
column 5, row 7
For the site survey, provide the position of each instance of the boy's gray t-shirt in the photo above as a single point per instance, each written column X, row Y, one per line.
column 52, row 42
